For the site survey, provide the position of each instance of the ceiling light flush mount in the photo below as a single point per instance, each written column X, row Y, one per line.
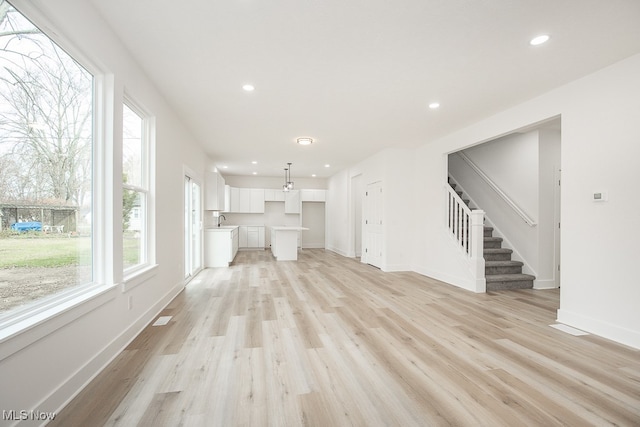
column 434, row 105
column 538, row 40
column 248, row 88
column 305, row 141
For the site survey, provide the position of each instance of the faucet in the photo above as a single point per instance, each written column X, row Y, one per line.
column 220, row 218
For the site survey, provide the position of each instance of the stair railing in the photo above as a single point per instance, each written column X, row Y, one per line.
column 466, row 227
column 497, row 189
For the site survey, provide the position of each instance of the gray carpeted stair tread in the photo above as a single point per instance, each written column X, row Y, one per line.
column 498, row 251
column 503, row 263
column 508, row 277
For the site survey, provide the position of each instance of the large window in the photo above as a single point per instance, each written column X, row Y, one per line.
column 135, row 191
column 46, row 186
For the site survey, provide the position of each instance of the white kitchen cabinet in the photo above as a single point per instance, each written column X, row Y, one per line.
column 292, row 202
column 227, row 198
column 214, row 192
column 313, row 195
column 271, row 195
column 234, row 199
column 247, row 200
column 220, row 246
column 251, row 237
column 257, row 200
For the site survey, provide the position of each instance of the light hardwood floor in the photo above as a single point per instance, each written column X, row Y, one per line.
column 328, row 341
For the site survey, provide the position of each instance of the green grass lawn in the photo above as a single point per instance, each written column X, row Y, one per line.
column 39, row 250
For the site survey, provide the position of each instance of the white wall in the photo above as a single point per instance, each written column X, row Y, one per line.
column 338, row 215
column 45, row 366
column 600, row 152
column 394, row 169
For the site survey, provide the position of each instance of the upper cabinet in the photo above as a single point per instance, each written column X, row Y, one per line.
column 214, row 199
column 246, row 200
column 271, row 195
column 292, row 202
column 252, row 200
column 312, row 195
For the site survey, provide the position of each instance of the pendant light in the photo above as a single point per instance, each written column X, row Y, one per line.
column 289, row 182
column 285, row 187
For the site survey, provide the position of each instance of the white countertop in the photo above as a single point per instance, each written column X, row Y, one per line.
column 221, row 228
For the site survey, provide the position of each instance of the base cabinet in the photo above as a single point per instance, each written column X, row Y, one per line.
column 220, row 246
column 251, row 237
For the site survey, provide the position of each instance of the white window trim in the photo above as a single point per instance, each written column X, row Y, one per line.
column 147, row 187
column 24, row 326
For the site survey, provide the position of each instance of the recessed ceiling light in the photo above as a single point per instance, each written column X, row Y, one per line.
column 255, row 173
column 313, row 175
column 539, row 40
column 327, row 166
column 225, row 167
column 434, row 105
column 304, row 141
column 248, row 88
column 254, row 162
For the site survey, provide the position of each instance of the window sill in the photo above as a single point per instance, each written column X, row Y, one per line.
column 24, row 329
column 139, row 276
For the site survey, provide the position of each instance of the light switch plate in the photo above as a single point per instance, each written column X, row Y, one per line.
column 600, row 196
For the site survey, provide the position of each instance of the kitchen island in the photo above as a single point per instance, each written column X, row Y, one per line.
column 284, row 242
column 220, row 245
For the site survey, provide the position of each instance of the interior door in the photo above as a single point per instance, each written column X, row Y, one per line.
column 373, row 225
column 192, row 227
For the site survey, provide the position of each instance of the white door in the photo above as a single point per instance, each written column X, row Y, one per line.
column 357, row 194
column 192, row 228
column 373, row 231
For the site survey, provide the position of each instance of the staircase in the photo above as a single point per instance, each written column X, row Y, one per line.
column 501, row 273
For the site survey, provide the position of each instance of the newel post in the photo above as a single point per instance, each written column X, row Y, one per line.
column 477, row 248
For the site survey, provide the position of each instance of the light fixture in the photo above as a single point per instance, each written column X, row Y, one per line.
column 285, row 186
column 434, row 105
column 304, row 141
column 248, row 88
column 254, row 162
column 327, row 166
column 289, row 182
column 539, row 40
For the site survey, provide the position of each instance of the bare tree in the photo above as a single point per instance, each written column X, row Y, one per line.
column 45, row 125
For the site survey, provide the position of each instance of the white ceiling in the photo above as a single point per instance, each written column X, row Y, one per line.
column 357, row 75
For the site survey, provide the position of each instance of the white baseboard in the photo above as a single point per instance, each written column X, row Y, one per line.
column 395, row 268
column 607, row 330
column 459, row 282
column 338, row 251
column 313, row 246
column 545, row 284
column 69, row 389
